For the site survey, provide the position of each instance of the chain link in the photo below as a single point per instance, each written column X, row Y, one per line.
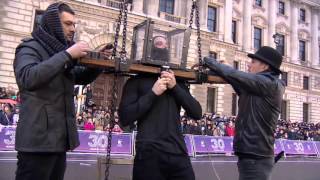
column 195, row 8
column 192, row 14
column 124, row 33
column 116, row 36
column 114, row 99
column 198, row 38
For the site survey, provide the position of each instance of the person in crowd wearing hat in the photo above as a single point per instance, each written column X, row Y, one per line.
column 260, row 95
column 46, row 73
column 155, row 103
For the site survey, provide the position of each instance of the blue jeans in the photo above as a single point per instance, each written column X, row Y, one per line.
column 255, row 169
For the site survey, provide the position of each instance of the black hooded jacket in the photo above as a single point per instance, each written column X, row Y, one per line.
column 47, row 113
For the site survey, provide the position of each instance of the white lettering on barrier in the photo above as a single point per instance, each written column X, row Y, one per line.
column 98, row 141
column 11, row 134
column 119, row 143
column 298, row 147
column 217, row 144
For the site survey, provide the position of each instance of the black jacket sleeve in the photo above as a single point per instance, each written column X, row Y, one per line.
column 249, row 82
column 33, row 72
column 85, row 75
column 133, row 106
column 184, row 98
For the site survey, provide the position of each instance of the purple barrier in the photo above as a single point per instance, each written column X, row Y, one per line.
column 277, row 146
column 7, row 138
column 97, row 142
column 317, row 144
column 210, row 144
column 188, row 141
column 299, row 147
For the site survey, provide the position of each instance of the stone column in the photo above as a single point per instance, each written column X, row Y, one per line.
column 228, row 21
column 203, row 13
column 272, row 19
column 138, row 6
column 294, row 48
column 247, row 25
column 153, row 8
column 315, row 37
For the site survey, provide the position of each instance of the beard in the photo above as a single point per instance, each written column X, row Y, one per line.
column 161, row 54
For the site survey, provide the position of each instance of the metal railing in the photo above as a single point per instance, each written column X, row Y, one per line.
column 113, row 3
column 173, row 18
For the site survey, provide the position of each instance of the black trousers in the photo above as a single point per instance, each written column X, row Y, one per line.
column 255, row 169
column 40, row 166
column 151, row 164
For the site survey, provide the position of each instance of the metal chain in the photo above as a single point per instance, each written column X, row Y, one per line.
column 191, row 14
column 116, row 36
column 123, row 15
column 195, row 8
column 124, row 33
column 198, row 38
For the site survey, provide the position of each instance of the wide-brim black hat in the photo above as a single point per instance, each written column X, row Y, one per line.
column 269, row 56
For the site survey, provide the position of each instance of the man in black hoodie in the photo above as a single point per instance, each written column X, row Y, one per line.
column 155, row 103
column 46, row 73
column 260, row 95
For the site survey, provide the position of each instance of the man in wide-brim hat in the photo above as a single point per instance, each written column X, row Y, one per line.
column 260, row 95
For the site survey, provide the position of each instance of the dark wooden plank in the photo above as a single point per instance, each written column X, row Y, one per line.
column 136, row 68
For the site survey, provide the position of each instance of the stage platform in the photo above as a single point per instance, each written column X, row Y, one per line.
column 85, row 166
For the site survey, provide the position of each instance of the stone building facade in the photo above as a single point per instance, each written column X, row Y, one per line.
column 229, row 30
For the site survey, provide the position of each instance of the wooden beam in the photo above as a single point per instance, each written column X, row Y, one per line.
column 136, row 68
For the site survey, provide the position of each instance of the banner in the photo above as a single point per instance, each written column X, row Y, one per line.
column 122, row 144
column 7, row 138
column 97, row 142
column 299, row 147
column 188, row 141
column 317, row 144
column 211, row 144
column 277, row 146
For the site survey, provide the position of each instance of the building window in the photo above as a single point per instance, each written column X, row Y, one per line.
column 305, row 112
column 257, row 38
column 234, row 31
column 211, row 100
column 258, row 3
column 234, row 109
column 281, row 46
column 212, row 19
column 283, row 114
column 112, row 3
column 167, row 6
column 303, row 15
column 213, row 55
column 281, row 8
column 236, row 65
column 302, row 50
column 305, row 82
column 284, row 78
column 37, row 18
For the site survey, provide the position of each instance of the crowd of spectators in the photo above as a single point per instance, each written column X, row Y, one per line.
column 217, row 125
column 9, row 106
column 92, row 117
